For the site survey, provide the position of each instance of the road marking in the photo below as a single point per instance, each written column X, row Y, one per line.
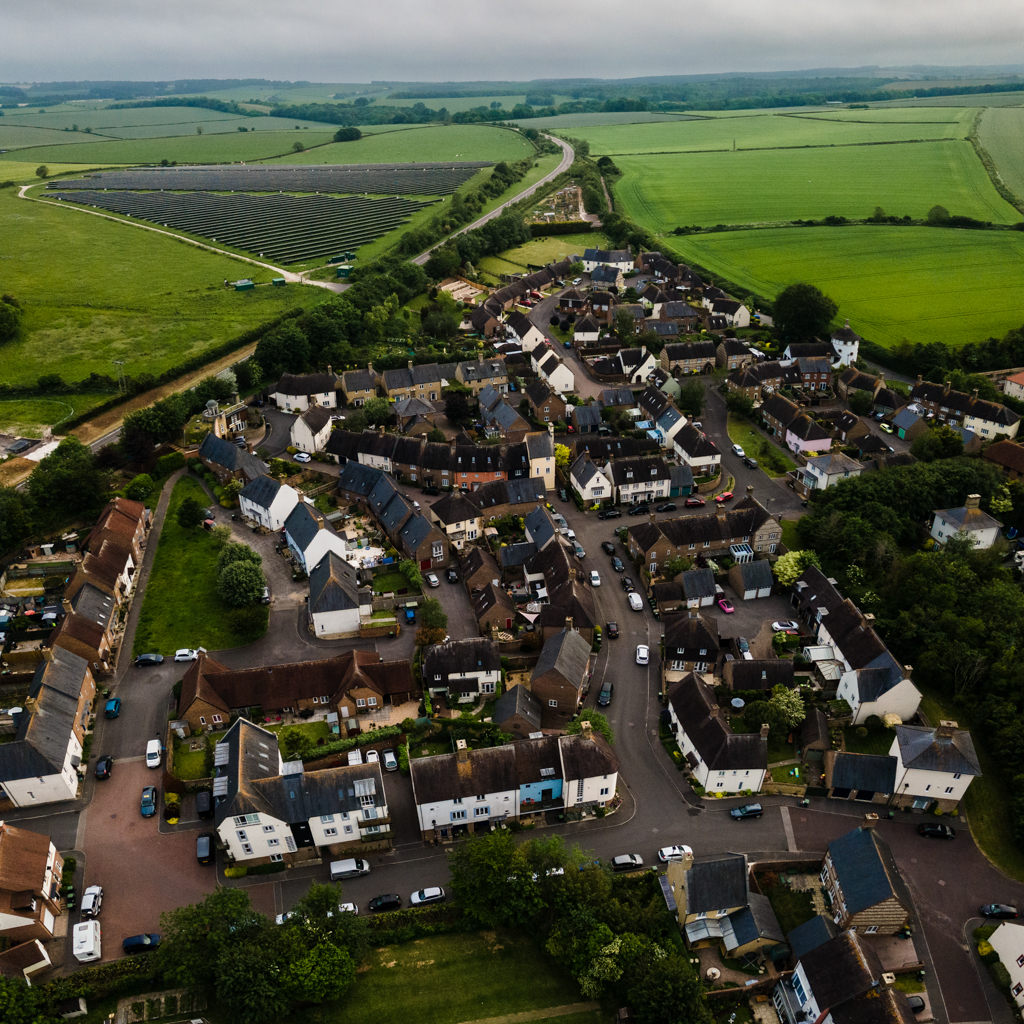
column 788, row 826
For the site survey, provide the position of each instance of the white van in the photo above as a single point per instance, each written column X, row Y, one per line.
column 87, row 939
column 351, row 868
column 355, row 757
column 153, row 752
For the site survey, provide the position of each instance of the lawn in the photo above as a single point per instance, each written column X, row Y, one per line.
column 790, row 536
column 661, row 191
column 391, row 582
column 1002, row 134
column 542, row 251
column 893, row 283
column 188, row 764
column 95, row 291
column 757, row 446
column 313, row 730
column 26, row 417
column 792, row 906
column 452, row 978
column 180, row 606
column 784, row 775
column 878, row 740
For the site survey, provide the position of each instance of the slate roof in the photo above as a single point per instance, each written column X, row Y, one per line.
column 807, row 429
column 933, row 750
column 360, row 380
column 357, row 478
column 682, row 477
column 409, row 407
column 299, row 796
column 303, row 523
column 841, row 969
column 415, row 531
column 520, row 324
column 587, row 325
column 540, row 446
column 262, row 491
column 964, row 404
column 504, row 416
column 638, row 469
column 454, row 508
column 864, row 771
column 716, row 883
column 698, row 583
column 224, row 453
column 549, row 365
column 604, row 275
column 780, row 408
column 567, row 653
column 93, row 604
column 515, row 554
column 586, row 416
column 719, row 747
column 756, row 921
column 679, row 311
column 812, row 348
column 316, row 417
column 457, row 656
column 518, row 701
column 617, row 397
column 758, row 675
column 969, row 519
column 517, row 460
column 607, row 255
column 583, row 470
column 692, row 350
column 743, row 520
column 601, row 449
column 811, row 934
column 756, row 575
column 866, row 871
column 695, row 442
column 476, row 369
column 539, row 527
column 836, row 462
column 539, row 392
column 664, row 329
column 472, row 458
column 332, row 585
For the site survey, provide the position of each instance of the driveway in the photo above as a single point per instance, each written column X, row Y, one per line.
column 143, row 873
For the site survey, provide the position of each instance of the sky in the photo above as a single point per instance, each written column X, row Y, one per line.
column 454, row 40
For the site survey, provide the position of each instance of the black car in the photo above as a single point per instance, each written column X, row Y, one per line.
column 609, row 513
column 562, row 494
column 149, row 659
column 612, row 630
column 604, row 698
column 104, row 766
column 390, row 901
column 669, row 506
column 1000, row 910
column 936, row 831
column 916, row 1004
column 627, row 583
column 432, row 491
column 750, row 463
column 608, row 547
column 746, row 811
column 453, row 576
column 639, row 510
column 204, row 803
column 617, row 564
column 140, row 943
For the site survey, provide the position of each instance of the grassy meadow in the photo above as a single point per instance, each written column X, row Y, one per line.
column 542, row 251
column 1002, row 134
column 922, row 284
column 26, row 417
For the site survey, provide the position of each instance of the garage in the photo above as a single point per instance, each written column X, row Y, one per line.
column 752, row 580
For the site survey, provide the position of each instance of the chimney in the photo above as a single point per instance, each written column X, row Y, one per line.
column 568, row 623
column 720, row 513
column 587, row 731
column 30, row 705
column 410, row 364
column 750, row 490
column 463, row 766
column 974, row 395
column 66, row 605
column 551, row 431
column 494, row 633
column 381, row 428
column 972, row 502
column 764, row 730
column 330, row 369
column 714, row 711
column 920, row 380
column 907, row 671
column 949, row 385
column 47, row 653
column 946, row 730
column 867, row 620
column 653, row 517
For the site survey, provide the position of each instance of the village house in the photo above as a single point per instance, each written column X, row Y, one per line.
column 229, row 462
column 425, row 381
column 585, row 419
column 981, row 417
column 552, row 368
column 815, row 372
column 589, row 482
column 822, row 471
column 458, row 518
column 309, row 536
column 462, row 671
column 517, row 712
column 359, row 386
column 934, row 766
column 334, row 604
column 1008, row 456
column 620, row 259
column 763, row 675
column 522, row 329
column 586, row 331
column 1008, row 941
column 606, row 277
column 732, row 354
column 637, row 364
column 484, row 321
column 845, row 344
column 311, row 429
column 547, row 406
column 476, row 465
column 91, row 639
column 760, row 378
column 642, row 479
column 297, row 392
column 30, row 883
column 500, row 419
column 691, row 645
column 697, row 450
column 268, row 502
column 477, row 374
column 559, row 678
column 602, row 306
column 356, row 482
column 540, row 449
column 736, row 313
column 689, row 357
column 968, row 522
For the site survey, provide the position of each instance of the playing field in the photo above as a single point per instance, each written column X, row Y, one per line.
column 768, row 186
column 923, row 284
column 1002, row 134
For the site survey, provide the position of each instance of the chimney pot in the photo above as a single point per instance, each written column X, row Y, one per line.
column 974, row 394
column 870, row 821
column 587, row 730
column 973, row 501
column 410, row 364
column 750, row 489
column 568, row 623
column 330, row 370
column 764, row 730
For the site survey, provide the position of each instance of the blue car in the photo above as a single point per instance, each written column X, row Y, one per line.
column 148, row 805
column 113, row 708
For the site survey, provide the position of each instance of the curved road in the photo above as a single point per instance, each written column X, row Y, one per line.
column 568, row 155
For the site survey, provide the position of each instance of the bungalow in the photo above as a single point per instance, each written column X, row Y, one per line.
column 359, row 386
column 934, row 766
column 548, row 407
column 752, row 580
column 968, row 521
column 458, row 518
column 228, row 462
column 268, row 502
column 689, row 357
column 311, row 429
column 334, row 607
column 721, row 761
column 297, row 392
column 30, row 884
column 642, row 479
column 462, row 671
column 589, row 482
column 620, row 259
column 309, row 536
column 824, row 471
column 521, row 328
column 560, row 675
column 585, row 419
column 697, row 450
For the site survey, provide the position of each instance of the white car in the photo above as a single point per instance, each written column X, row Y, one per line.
column 301, row 456
column 348, row 908
column 186, row 654
column 92, row 901
column 432, row 580
column 738, row 450
column 785, row 625
column 432, row 895
column 636, row 602
column 595, row 578
column 154, row 752
column 372, row 757
column 643, row 654
column 667, row 853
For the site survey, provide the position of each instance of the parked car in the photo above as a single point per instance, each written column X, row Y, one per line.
column 301, row 456
column 595, row 578
column 112, row 708
column 746, row 811
column 617, row 565
column 640, row 510
column 186, row 654
column 92, row 900
column 726, row 605
column 643, row 654
column 1000, row 910
column 611, row 630
column 577, row 550
column 389, row 901
column 750, row 463
column 738, row 450
column 669, row 506
column 141, row 943
column 149, row 659
column 154, row 753
column 742, row 645
column 432, row 580
column 608, row 547
column 886, row 428
column 785, row 625
column 694, row 502
column 204, row 848
column 604, row 698
column 148, row 803
column 667, row 853
column 432, row 895
column 627, row 583
column 204, row 803
column 724, row 497
column 453, row 576
column 916, row 1003
column 936, row 831
column 563, row 494
column 636, row 601
column 609, row 513
column 372, row 757
column 627, row 862
column 265, row 596
column 104, row 766
column 390, row 761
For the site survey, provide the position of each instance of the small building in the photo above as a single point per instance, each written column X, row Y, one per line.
column 267, row 501
column 866, row 777
column 333, row 598
column 751, row 580
column 585, row 419
column 559, row 678
column 462, row 671
column 846, row 345
column 909, row 425
column 517, row 712
column 311, row 429
column 968, row 521
column 698, row 588
column 759, row 675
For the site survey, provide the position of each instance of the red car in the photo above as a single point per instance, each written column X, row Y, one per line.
column 724, row 496
column 726, row 605
column 694, row 502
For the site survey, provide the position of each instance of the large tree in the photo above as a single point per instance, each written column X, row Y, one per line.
column 378, row 411
column 10, row 317
column 241, row 584
column 432, row 615
column 190, row 514
column 802, row 313
column 249, row 982
column 66, row 484
column 493, row 881
column 15, row 518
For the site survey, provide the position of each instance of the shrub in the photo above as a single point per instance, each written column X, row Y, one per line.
column 1000, row 976
column 140, row 488
column 236, row 871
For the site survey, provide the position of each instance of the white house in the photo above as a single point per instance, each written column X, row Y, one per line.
column 463, row 670
column 311, row 429
column 1014, row 386
column 310, row 536
column 269, row 811
column 587, row 330
column 825, row 470
column 879, row 689
column 521, row 328
column 1008, row 941
column 590, row 769
column 297, row 392
column 549, row 365
column 697, row 450
column 589, row 482
column 620, row 259
column 846, row 344
column 933, row 764
column 268, row 501
column 637, row 363
column 334, row 598
column 722, row 761
column 641, row 478
column 735, row 313
column 967, row 521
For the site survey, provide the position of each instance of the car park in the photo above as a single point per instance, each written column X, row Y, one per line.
column 936, row 831
column 453, row 576
column 389, row 901
column 694, row 502
column 595, row 578
column 609, row 513
column 750, row 463
column 92, row 901
column 627, row 583
column 669, row 506
column 604, row 698
column 1003, row 911
column 627, row 862
column 611, row 630
column 390, row 761
column 434, row 894
column 738, row 450
column 577, row 550
column 112, row 709
column 141, row 943
column 643, row 654
column 726, row 605
column 204, row 803
column 640, row 510
column 617, row 565
column 143, row 660
column 432, row 580
column 148, row 803
column 608, row 547
column 746, row 811
column 186, row 654
column 785, row 625
column 154, row 752
column 205, row 848
column 674, row 853
column 104, row 766
column 301, row 456
column 724, row 497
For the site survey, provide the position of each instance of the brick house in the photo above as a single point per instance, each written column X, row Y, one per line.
column 560, row 675
column 518, row 712
column 981, row 417
column 547, row 405
column 359, row 386
column 732, row 354
column 689, row 357
column 1008, row 456
column 229, row 462
column 691, row 644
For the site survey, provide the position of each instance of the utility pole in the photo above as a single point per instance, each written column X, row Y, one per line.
column 119, row 363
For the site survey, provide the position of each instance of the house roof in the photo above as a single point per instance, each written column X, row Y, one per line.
column 492, row 599
column 780, row 408
column 549, row 365
column 435, row 455
column 743, row 520
column 23, row 859
column 416, row 529
column 520, row 324
column 478, row 369
column 872, row 772
column 539, row 527
column 454, row 508
column 601, row 449
column 866, row 871
column 224, row 453
column 540, row 446
column 695, row 442
column 841, row 969
column 262, row 491
column 845, row 333
column 605, row 275
column 540, row 392
column 456, row 657
column 377, row 444
column 682, row 476
column 877, row 1006
column 807, row 429
column 93, row 603
column 1007, row 454
column 304, row 522
column 518, row 701
column 758, row 674
column 692, row 350
column 360, row 380
column 905, row 419
column 756, row 575
column 441, row 777
column 941, row 749
column 332, row 585
column 298, row 796
column 524, row 490
column 811, row 934
column 755, row 921
column 566, row 652
column 584, row 758
column 409, row 407
column 344, row 444
column 306, row 384
column 515, row 554
column 969, row 519
column 834, row 463
column 617, row 397
column 698, row 583
column 964, row 404
column 814, row 364
column 639, row 468
column 583, row 470
column 587, row 325
column 357, row 478
column 607, row 256
column 538, row 760
column 716, row 883
column 316, row 417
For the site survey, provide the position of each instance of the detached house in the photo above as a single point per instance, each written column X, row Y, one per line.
column 560, row 675
column 933, row 765
column 691, row 644
column 311, row 429
column 268, row 502
column 845, row 344
column 697, row 450
column 823, row 471
column 553, row 369
column 968, row 522
column 587, row 331
column 547, row 406
column 458, row 518
column 297, row 392
column 477, row 374
column 589, row 482
column 736, row 314
column 620, row 259
column 462, row 671
column 229, row 462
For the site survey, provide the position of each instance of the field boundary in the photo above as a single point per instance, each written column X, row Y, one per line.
column 990, row 166
column 551, row 1011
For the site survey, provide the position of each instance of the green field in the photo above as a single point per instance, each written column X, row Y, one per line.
column 923, row 284
column 661, row 192
column 1002, row 134
column 593, row 120
column 95, row 291
column 542, row 251
column 26, row 417
column 889, row 115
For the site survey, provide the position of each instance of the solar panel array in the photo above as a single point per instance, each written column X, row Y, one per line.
column 380, row 179
column 283, row 227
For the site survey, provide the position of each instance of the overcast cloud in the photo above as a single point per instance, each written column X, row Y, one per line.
column 419, row 40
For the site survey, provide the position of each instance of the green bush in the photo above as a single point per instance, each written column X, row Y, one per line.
column 1000, row 976
column 236, row 871
column 167, row 464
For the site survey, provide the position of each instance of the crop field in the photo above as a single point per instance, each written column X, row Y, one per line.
column 1002, row 134
column 24, row 171
column 661, row 192
column 892, row 282
column 456, row 104
column 888, row 115
column 988, row 99
column 433, row 143
column 95, row 291
column 593, row 120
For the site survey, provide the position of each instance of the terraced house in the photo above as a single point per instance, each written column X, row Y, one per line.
column 359, row 386
column 986, row 419
column 425, row 382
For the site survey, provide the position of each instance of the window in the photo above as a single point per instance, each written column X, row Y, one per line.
column 246, row 848
column 371, row 702
column 552, row 703
column 678, row 666
column 246, row 819
column 719, row 785
column 654, row 568
column 268, row 828
column 872, row 930
column 957, row 776
column 949, row 789
column 721, row 775
column 1020, row 960
column 202, row 721
column 457, row 800
column 241, row 834
column 1017, row 989
column 703, row 650
column 276, row 857
column 348, row 830
column 604, row 792
column 458, row 815
column 438, row 551
column 330, row 831
column 273, row 842
column 360, row 702
column 371, row 828
column 326, row 819
column 217, row 719
column 325, row 700
column 481, row 812
column 366, row 800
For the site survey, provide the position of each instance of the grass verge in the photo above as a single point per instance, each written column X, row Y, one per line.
column 769, row 458
column 181, row 607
